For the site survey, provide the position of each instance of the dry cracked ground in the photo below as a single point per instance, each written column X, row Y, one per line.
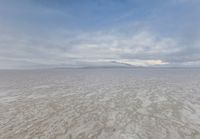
column 100, row 104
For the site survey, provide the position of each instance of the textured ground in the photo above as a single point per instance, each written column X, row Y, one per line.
column 100, row 104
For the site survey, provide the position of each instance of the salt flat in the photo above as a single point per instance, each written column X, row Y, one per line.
column 100, row 104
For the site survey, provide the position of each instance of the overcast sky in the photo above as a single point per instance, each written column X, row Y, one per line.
column 79, row 33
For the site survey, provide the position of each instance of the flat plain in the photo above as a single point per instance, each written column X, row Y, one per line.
column 100, row 103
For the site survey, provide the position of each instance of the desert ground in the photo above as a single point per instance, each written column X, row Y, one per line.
column 100, row 103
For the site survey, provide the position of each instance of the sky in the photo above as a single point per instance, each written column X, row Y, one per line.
column 99, row 33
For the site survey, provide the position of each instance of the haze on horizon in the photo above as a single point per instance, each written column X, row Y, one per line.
column 77, row 33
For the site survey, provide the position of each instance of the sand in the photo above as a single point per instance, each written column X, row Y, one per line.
column 100, row 104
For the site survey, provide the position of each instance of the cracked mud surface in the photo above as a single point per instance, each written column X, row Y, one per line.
column 100, row 104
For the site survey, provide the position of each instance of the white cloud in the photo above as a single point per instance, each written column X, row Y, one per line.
column 143, row 48
column 145, row 63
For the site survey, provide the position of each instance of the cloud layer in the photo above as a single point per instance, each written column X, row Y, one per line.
column 142, row 48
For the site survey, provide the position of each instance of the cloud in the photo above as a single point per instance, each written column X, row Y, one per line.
column 144, row 63
column 142, row 48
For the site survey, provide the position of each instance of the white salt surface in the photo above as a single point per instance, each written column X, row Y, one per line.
column 100, row 104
